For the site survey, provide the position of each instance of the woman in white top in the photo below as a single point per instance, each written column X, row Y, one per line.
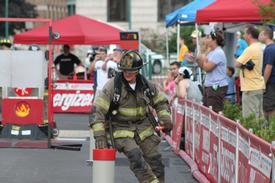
column 186, row 87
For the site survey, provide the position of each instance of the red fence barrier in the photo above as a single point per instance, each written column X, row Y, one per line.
column 222, row 149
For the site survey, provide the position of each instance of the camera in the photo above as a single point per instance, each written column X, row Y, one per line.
column 249, row 65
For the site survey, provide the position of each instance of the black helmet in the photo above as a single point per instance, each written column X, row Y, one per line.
column 131, row 61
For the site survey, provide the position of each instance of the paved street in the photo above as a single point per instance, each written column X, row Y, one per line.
column 62, row 166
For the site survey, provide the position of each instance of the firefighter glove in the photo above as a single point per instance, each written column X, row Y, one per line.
column 167, row 127
column 101, row 142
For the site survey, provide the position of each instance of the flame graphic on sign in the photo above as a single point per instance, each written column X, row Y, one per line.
column 22, row 109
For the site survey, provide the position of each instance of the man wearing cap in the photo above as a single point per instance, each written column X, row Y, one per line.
column 240, row 46
column 66, row 62
column 110, row 65
column 132, row 131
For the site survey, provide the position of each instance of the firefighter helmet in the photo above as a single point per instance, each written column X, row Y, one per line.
column 131, row 61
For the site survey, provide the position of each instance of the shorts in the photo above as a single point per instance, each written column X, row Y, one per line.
column 269, row 97
column 252, row 103
column 214, row 98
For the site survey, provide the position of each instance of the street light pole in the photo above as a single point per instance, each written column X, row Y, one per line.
column 6, row 15
column 129, row 15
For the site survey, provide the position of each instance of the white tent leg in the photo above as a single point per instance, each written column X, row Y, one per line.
column 167, row 46
column 178, row 41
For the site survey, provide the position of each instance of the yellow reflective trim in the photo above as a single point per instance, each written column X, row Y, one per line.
column 146, row 133
column 163, row 113
column 98, row 127
column 132, row 112
column 155, row 181
column 159, row 98
column 123, row 134
column 100, row 102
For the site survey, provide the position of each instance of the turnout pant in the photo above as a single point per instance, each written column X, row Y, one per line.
column 144, row 157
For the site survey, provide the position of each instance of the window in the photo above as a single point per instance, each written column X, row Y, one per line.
column 167, row 6
column 71, row 9
column 117, row 10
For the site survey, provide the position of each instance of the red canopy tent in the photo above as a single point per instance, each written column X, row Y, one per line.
column 74, row 29
column 231, row 11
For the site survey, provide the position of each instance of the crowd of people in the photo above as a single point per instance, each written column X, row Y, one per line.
column 254, row 69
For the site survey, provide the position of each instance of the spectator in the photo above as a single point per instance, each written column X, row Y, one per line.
column 268, row 72
column 230, row 94
column 110, row 65
column 101, row 74
column 240, row 46
column 183, row 50
column 169, row 83
column 66, row 62
column 251, row 79
column 186, row 87
column 214, row 64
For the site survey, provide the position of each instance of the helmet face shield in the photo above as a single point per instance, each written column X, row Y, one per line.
column 130, row 61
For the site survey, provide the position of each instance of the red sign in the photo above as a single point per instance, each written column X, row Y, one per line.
column 22, row 112
column 23, row 92
column 72, row 100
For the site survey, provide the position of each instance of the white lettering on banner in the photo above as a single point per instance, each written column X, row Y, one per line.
column 214, row 128
column 206, row 140
column 197, row 136
column 232, row 138
column 197, row 115
column 73, row 86
column 205, row 158
column 255, row 158
column 213, row 165
column 180, row 109
column 205, row 121
column 189, row 112
column 65, row 101
column 225, row 134
column 244, row 146
column 252, row 177
column 266, row 165
column 228, row 165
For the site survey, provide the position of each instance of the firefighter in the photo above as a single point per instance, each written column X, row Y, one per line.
column 132, row 132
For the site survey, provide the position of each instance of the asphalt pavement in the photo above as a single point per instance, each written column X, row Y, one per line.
column 63, row 166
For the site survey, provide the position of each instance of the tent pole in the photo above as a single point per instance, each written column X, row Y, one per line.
column 198, row 50
column 167, row 46
column 178, row 40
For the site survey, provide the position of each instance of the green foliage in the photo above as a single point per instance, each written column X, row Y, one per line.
column 260, row 127
column 267, row 11
column 185, row 33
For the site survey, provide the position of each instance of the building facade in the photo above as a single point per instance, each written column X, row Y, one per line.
column 129, row 14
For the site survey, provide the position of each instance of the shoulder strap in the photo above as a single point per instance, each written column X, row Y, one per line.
column 116, row 96
column 147, row 91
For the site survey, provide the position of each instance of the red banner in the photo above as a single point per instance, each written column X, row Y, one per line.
column 204, row 140
column 228, row 149
column 197, row 142
column 259, row 160
column 189, row 128
column 212, row 173
column 178, row 115
column 73, row 97
column 244, row 168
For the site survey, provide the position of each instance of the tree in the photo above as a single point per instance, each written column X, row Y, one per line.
column 17, row 9
column 267, row 11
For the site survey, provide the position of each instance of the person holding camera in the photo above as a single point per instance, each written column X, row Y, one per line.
column 214, row 64
column 250, row 63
